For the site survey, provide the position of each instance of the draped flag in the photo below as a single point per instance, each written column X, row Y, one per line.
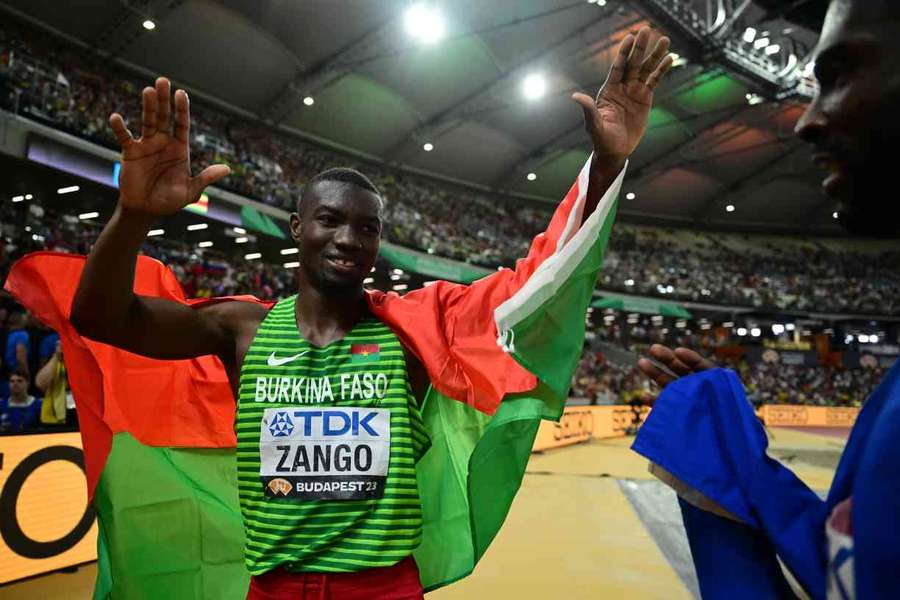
column 159, row 438
column 743, row 510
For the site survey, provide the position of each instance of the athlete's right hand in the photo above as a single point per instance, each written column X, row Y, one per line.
column 156, row 168
column 680, row 362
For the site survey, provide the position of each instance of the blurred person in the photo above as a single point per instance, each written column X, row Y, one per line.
column 58, row 404
column 355, row 542
column 19, row 411
column 742, row 509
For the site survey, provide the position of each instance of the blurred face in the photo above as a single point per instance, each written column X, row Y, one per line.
column 854, row 121
column 18, row 385
column 338, row 234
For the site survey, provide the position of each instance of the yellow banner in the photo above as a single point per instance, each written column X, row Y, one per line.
column 787, row 415
column 45, row 520
column 583, row 423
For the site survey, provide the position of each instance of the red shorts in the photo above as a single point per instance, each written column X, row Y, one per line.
column 398, row 582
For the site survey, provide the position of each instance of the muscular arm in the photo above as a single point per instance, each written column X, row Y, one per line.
column 44, row 377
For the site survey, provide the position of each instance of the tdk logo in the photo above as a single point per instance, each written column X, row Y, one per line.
column 281, row 425
column 332, row 423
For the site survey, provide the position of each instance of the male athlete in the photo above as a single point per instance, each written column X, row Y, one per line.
column 349, row 532
column 854, row 124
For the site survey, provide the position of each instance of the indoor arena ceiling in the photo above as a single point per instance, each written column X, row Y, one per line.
column 380, row 92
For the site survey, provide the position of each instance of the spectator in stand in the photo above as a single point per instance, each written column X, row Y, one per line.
column 19, row 411
column 17, row 349
column 58, row 405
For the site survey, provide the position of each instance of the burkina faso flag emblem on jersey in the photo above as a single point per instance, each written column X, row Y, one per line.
column 364, row 352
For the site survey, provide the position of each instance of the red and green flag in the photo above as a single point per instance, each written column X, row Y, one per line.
column 364, row 353
column 159, row 437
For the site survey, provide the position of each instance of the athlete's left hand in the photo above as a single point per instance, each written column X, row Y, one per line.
column 617, row 119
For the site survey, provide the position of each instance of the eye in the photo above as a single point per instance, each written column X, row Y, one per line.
column 327, row 219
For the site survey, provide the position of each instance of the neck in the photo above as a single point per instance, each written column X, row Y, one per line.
column 324, row 316
column 19, row 397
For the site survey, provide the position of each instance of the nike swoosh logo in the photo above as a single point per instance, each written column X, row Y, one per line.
column 273, row 361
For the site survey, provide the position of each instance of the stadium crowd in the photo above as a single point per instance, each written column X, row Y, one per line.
column 59, row 84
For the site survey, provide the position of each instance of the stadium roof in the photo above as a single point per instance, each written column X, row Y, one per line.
column 379, row 92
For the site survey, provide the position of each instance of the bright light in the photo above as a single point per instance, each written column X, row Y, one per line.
column 241, row 240
column 428, row 147
column 286, row 251
column 777, row 328
column 754, row 99
column 397, row 271
column 729, row 208
column 88, row 215
column 252, row 256
column 240, row 230
column 424, row 23
column 761, row 43
column 205, row 245
column 670, row 289
column 773, row 49
column 309, row 101
column 368, row 280
column 400, row 287
column 28, row 196
column 677, row 59
column 848, row 339
column 197, row 226
column 531, row 177
column 601, row 2
column 873, row 339
column 790, row 327
column 534, row 86
column 18, row 198
column 68, row 190
column 749, row 35
column 630, row 196
column 728, row 324
column 155, row 232
column 149, row 25
column 756, row 332
column 834, row 215
column 863, row 338
column 291, row 265
column 629, row 282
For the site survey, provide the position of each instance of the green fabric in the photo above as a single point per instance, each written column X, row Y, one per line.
column 326, row 534
column 432, row 266
column 169, row 524
column 648, row 306
column 257, row 221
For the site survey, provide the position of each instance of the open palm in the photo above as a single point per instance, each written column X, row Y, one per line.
column 617, row 118
column 156, row 170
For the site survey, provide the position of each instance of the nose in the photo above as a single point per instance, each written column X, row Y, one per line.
column 812, row 125
column 347, row 239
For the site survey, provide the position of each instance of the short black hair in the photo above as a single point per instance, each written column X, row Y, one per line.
column 341, row 175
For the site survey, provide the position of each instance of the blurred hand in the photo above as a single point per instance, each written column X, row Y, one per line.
column 156, row 171
column 681, row 361
column 617, row 118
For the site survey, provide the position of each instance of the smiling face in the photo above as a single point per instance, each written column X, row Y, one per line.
column 854, row 121
column 338, row 232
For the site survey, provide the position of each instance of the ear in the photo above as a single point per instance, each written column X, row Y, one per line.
column 295, row 225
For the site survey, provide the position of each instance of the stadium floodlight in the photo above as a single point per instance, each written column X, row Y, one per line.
column 155, row 232
column 428, row 147
column 28, row 196
column 197, row 226
column 424, row 23
column 534, row 86
column 18, row 198
column 773, row 49
column 286, row 251
column 206, row 244
column 629, row 282
column 873, row 339
column 777, row 328
column 531, row 176
column 241, row 240
column 309, row 100
column 790, row 327
column 368, row 280
column 601, row 2
column 729, row 208
column 761, row 43
column 291, row 265
column 239, row 230
column 834, row 215
column 749, row 35
column 397, row 271
column 863, row 338
column 88, row 215
column 756, row 332
column 252, row 256
column 630, row 196
column 670, row 289
column 149, row 24
column 68, row 190
column 400, row 287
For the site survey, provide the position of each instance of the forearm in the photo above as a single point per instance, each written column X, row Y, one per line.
column 44, row 377
column 22, row 358
column 105, row 294
column 603, row 173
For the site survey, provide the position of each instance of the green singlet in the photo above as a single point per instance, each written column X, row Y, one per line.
column 327, row 445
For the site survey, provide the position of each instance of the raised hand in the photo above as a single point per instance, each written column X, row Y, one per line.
column 680, row 362
column 156, row 168
column 617, row 118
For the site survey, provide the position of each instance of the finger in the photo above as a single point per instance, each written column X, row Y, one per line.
column 655, row 373
column 653, row 59
column 667, row 357
column 182, row 116
column 693, row 359
column 617, row 71
column 587, row 105
column 148, row 126
column 633, row 68
column 663, row 68
column 164, row 112
column 117, row 123
column 207, row 176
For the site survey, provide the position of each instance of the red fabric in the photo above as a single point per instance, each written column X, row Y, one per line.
column 188, row 403
column 399, row 582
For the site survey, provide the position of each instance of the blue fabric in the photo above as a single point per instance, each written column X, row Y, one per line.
column 15, row 338
column 19, row 418
column 47, row 346
column 703, row 431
